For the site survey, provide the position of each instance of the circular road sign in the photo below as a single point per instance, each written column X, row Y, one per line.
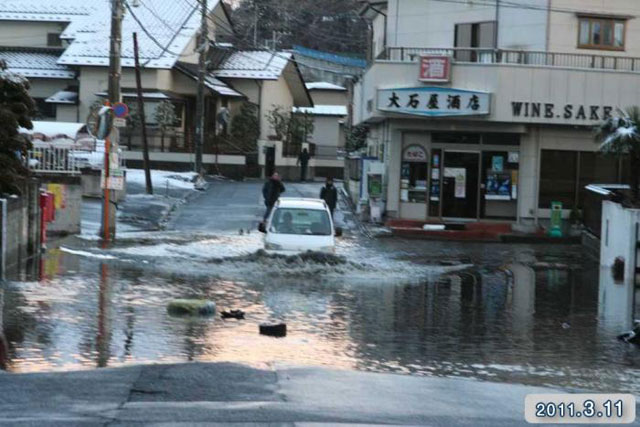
column 120, row 110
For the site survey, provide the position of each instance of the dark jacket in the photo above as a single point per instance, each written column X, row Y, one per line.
column 303, row 158
column 330, row 195
column 271, row 191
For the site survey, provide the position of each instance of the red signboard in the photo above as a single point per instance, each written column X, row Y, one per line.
column 435, row 68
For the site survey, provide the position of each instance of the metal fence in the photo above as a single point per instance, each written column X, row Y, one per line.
column 516, row 57
column 58, row 160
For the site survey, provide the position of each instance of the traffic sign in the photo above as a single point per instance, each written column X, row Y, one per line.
column 120, row 110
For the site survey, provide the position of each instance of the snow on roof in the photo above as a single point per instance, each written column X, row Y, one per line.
column 55, row 129
column 31, row 62
column 253, row 64
column 153, row 95
column 63, row 97
column 324, row 86
column 171, row 26
column 323, row 110
column 44, row 10
column 218, row 86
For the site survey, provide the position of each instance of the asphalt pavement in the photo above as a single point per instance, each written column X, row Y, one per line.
column 224, row 393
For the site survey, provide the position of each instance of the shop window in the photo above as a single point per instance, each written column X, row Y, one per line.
column 500, row 184
column 413, row 175
column 558, row 173
column 595, row 168
column 601, row 33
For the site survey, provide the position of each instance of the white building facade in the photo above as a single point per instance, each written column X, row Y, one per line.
column 486, row 111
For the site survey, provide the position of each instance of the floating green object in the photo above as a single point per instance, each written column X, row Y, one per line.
column 191, row 307
column 556, row 220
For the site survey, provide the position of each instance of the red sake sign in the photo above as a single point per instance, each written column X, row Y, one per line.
column 435, row 68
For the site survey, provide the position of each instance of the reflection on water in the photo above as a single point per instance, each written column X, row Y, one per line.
column 510, row 318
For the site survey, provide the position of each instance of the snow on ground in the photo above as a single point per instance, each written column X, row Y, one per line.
column 160, row 178
column 86, row 254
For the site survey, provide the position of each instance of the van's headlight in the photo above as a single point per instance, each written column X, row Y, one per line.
column 272, row 246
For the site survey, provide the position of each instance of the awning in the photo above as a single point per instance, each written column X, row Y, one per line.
column 63, row 97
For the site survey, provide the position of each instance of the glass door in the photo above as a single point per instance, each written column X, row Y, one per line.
column 460, row 184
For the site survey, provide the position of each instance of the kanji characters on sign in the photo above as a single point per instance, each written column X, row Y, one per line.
column 435, row 68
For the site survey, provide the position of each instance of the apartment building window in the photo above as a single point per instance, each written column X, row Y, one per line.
column 468, row 38
column 601, row 33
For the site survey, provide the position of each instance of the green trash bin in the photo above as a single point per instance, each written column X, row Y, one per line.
column 555, row 230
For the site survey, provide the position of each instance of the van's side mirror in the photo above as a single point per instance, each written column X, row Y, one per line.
column 338, row 231
column 262, row 227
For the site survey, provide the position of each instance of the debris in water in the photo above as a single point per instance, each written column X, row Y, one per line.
column 192, row 307
column 632, row 337
column 277, row 330
column 232, row 314
column 565, row 325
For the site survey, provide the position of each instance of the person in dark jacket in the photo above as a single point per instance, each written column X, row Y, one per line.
column 271, row 192
column 329, row 194
column 303, row 161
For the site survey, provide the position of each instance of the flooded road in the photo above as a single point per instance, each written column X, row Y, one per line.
column 532, row 314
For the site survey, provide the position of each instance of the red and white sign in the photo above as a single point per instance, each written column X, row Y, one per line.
column 435, row 68
column 414, row 153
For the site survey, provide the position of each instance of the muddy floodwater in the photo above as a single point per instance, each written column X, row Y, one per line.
column 533, row 314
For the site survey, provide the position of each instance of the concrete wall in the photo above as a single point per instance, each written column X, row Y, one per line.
column 28, row 33
column 274, row 92
column 328, row 97
column 68, row 113
column 44, row 88
column 68, row 201
column 618, row 239
column 523, row 28
column 326, row 130
column 19, row 227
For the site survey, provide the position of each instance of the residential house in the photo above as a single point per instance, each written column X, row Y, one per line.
column 167, row 33
column 486, row 111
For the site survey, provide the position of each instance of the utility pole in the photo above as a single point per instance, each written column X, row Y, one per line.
column 203, row 45
column 109, row 214
column 143, row 121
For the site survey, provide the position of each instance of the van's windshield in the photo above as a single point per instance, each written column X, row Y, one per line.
column 312, row 222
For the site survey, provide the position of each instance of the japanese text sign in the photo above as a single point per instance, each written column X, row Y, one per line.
column 434, row 101
column 435, row 68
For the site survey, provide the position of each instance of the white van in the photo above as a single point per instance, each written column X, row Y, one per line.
column 297, row 224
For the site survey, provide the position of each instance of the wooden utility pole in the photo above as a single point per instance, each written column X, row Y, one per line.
column 115, row 69
column 143, row 120
column 203, row 45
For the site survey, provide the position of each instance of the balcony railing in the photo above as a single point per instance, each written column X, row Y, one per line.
column 515, row 57
column 53, row 160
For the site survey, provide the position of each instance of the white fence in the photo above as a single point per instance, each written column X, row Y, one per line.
column 56, row 160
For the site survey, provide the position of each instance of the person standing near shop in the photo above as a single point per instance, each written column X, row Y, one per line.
column 303, row 161
column 329, row 194
column 271, row 192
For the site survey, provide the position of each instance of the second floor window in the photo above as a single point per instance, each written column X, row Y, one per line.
column 601, row 33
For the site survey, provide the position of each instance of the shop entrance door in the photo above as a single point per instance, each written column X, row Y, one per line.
column 460, row 184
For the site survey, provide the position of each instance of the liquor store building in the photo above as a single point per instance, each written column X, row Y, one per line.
column 488, row 141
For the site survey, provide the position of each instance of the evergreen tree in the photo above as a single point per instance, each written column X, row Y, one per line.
column 16, row 110
column 328, row 25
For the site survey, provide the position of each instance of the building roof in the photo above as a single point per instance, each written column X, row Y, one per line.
column 45, row 10
column 164, row 28
column 254, row 64
column 33, row 62
column 323, row 110
column 151, row 95
column 217, row 86
column 324, row 86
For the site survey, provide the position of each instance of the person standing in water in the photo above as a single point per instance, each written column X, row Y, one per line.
column 271, row 192
column 329, row 194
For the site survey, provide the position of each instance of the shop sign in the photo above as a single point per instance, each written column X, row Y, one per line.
column 434, row 101
column 414, row 153
column 435, row 68
column 542, row 110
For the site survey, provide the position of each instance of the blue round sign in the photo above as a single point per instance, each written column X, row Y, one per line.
column 120, row 110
